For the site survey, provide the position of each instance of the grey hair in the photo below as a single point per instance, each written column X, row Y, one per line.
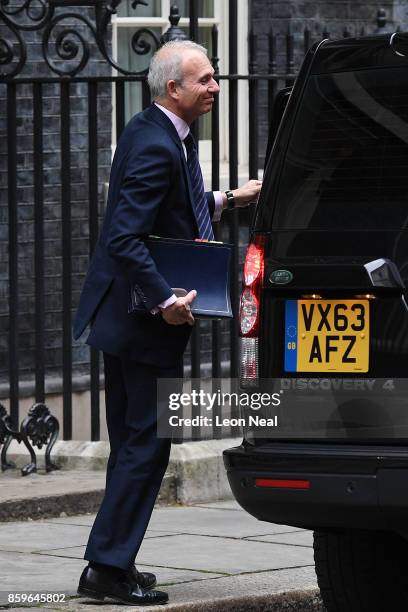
column 168, row 66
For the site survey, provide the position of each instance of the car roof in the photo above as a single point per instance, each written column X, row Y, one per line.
column 347, row 54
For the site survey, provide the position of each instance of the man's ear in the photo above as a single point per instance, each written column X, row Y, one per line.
column 172, row 89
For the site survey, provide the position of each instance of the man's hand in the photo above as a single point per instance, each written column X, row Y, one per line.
column 179, row 312
column 246, row 194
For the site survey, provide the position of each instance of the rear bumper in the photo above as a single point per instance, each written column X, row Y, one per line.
column 369, row 492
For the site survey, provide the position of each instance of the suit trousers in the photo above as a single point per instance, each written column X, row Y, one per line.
column 137, row 462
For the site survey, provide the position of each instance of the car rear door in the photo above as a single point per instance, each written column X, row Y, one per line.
column 334, row 219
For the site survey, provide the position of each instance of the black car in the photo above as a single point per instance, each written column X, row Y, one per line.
column 324, row 322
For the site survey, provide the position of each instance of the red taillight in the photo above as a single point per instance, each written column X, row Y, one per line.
column 253, row 263
column 282, row 484
column 251, row 293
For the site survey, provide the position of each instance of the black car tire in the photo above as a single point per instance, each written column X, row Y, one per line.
column 362, row 571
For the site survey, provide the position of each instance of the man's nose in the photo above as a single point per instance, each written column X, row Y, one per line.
column 215, row 88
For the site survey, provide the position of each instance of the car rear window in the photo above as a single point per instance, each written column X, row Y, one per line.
column 346, row 166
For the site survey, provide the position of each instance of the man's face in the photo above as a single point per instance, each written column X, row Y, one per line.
column 198, row 87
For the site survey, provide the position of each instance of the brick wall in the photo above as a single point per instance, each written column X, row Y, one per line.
column 37, row 67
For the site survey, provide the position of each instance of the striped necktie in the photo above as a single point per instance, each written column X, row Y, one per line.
column 200, row 201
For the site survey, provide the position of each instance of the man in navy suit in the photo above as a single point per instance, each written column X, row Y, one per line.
column 155, row 188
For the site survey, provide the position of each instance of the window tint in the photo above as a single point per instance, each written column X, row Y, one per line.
column 347, row 160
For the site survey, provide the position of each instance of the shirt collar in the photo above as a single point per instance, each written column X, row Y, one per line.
column 181, row 126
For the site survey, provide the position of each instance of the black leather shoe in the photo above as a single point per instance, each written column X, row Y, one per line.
column 96, row 584
column 146, row 580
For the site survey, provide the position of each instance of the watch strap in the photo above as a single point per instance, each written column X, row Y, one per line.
column 230, row 199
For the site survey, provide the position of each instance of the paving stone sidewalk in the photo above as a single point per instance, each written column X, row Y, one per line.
column 210, row 556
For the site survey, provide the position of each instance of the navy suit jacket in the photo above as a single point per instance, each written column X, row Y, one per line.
column 149, row 193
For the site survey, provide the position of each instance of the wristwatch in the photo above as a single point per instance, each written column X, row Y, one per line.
column 230, row 199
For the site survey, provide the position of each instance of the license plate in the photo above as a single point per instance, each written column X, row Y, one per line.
column 327, row 335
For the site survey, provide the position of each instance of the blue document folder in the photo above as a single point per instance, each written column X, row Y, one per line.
column 191, row 264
